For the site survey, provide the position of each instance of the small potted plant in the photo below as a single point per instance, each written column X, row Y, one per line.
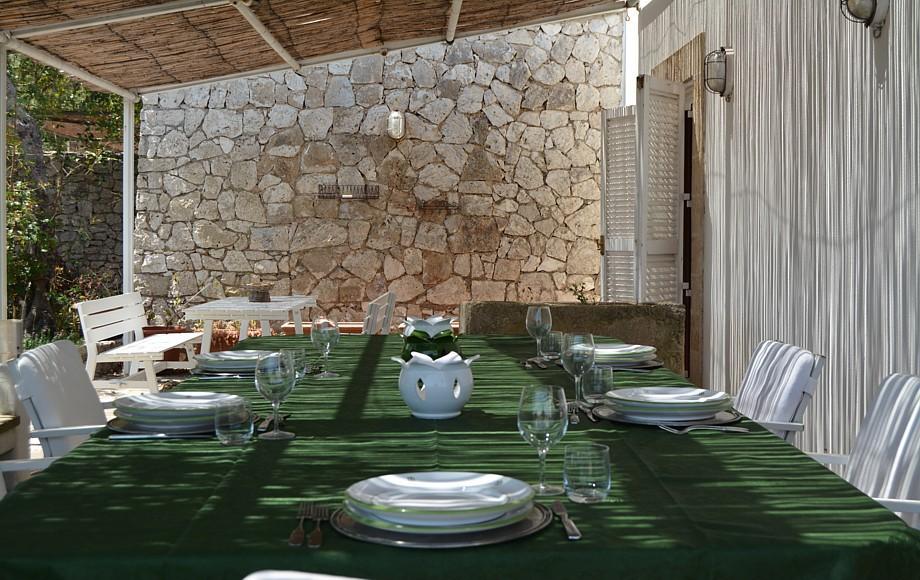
column 433, row 337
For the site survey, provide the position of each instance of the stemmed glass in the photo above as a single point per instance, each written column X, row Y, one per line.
column 577, row 358
column 275, row 377
column 542, row 422
column 325, row 335
column 301, row 361
column 539, row 323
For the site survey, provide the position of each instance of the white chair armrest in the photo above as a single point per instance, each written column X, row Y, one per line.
column 66, row 431
column 900, row 505
column 781, row 426
column 830, row 459
column 26, row 464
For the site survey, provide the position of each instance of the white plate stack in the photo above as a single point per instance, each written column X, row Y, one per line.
column 624, row 355
column 439, row 502
column 657, row 405
column 238, row 362
column 176, row 413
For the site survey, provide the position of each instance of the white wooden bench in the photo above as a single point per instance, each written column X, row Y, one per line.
column 119, row 315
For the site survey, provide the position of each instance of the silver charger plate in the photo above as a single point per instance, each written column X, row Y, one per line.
column 536, row 520
column 720, row 418
column 121, row 426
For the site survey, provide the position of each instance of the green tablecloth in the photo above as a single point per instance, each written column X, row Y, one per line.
column 704, row 505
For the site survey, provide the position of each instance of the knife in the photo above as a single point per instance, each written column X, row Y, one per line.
column 142, row 436
column 571, row 530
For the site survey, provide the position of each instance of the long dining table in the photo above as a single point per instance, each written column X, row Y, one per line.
column 700, row 505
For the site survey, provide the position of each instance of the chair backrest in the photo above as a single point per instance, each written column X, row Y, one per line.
column 56, row 392
column 885, row 460
column 380, row 314
column 113, row 316
column 779, row 383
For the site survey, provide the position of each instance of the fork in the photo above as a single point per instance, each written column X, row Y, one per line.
column 686, row 430
column 296, row 537
column 318, row 515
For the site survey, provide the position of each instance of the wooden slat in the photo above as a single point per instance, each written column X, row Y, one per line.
column 149, row 348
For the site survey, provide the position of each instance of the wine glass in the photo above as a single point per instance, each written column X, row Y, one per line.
column 542, row 422
column 301, row 360
column 275, row 377
column 539, row 323
column 577, row 358
column 325, row 335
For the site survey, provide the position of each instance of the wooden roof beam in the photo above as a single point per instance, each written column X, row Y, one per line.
column 49, row 59
column 116, row 17
column 265, row 33
column 453, row 16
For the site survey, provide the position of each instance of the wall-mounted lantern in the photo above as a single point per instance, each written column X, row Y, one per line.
column 396, row 125
column 871, row 13
column 718, row 72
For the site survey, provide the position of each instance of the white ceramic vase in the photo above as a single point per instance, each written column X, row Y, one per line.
column 436, row 389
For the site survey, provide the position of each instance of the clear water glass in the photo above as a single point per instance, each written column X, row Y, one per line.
column 542, row 422
column 301, row 361
column 595, row 383
column 539, row 323
column 275, row 378
column 325, row 335
column 233, row 423
column 577, row 358
column 551, row 345
column 586, row 472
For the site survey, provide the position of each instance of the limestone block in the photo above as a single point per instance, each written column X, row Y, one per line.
column 431, row 236
column 424, row 74
column 451, row 292
column 318, row 233
column 407, row 288
column 367, row 69
column 364, row 264
column 222, row 123
column 339, row 93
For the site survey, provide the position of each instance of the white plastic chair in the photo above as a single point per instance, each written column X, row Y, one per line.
column 778, row 385
column 885, row 460
column 380, row 314
column 58, row 398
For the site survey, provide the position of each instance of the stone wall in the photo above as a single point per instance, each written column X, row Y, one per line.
column 503, row 129
column 89, row 230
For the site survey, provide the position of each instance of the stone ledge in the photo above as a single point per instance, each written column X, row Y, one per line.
column 659, row 325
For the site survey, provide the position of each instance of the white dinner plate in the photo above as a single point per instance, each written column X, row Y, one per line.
column 720, row 418
column 173, row 403
column 430, row 519
column 121, row 426
column 504, row 519
column 684, row 396
column 440, row 492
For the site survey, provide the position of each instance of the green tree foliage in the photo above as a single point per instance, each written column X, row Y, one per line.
column 41, row 290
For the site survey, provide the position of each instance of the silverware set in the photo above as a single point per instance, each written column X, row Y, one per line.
column 685, row 430
column 266, row 423
column 571, row 530
column 534, row 362
column 309, row 511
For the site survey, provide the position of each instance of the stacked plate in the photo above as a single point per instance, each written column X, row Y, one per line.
column 624, row 355
column 173, row 413
column 667, row 405
column 439, row 502
column 230, row 362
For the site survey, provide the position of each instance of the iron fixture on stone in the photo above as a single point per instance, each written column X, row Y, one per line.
column 348, row 192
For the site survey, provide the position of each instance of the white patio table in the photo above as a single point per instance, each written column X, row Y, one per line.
column 241, row 309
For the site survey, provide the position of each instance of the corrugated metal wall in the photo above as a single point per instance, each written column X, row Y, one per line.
column 813, row 183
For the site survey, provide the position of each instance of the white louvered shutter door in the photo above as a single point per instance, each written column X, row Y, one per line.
column 659, row 215
column 618, row 223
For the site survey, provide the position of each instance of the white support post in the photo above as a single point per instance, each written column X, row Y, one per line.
column 4, row 281
column 452, row 18
column 266, row 34
column 127, row 197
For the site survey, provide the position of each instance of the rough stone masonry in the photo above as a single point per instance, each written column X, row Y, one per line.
column 503, row 130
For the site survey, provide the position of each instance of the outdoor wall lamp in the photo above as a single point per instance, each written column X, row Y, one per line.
column 396, row 125
column 871, row 13
column 718, row 73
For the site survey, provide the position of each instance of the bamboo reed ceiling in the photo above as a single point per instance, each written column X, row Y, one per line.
column 203, row 43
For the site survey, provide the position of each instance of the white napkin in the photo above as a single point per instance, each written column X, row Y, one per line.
column 431, row 326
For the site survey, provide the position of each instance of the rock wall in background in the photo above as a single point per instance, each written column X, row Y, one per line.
column 503, row 129
column 89, row 224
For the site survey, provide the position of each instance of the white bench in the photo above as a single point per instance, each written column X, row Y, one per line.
column 119, row 315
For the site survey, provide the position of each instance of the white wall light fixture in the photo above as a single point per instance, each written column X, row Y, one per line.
column 396, row 125
column 718, row 72
column 871, row 13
